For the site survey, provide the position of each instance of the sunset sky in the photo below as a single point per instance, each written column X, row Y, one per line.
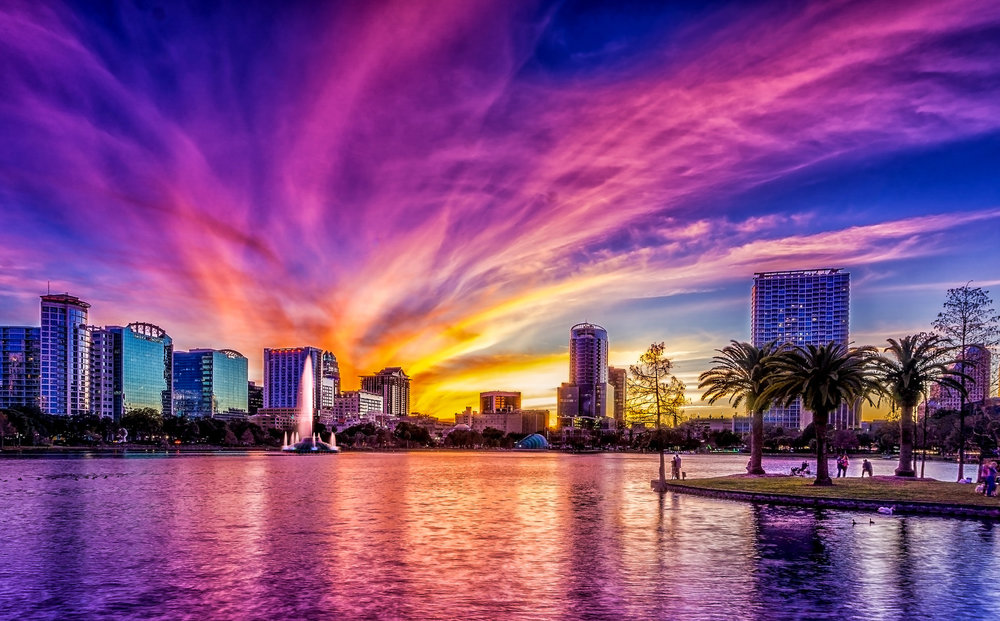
column 449, row 186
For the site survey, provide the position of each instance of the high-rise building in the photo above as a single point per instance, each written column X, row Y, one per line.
column 20, row 366
column 588, row 397
column 803, row 307
column 208, row 382
column 499, row 401
column 283, row 372
column 65, row 355
column 617, row 379
column 143, row 369
column 394, row 386
column 102, row 372
column 255, row 398
column 976, row 365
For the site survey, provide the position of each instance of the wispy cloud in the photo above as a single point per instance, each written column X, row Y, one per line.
column 411, row 186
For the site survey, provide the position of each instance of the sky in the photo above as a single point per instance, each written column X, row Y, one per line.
column 449, row 186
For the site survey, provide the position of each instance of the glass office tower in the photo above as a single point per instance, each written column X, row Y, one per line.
column 20, row 366
column 283, row 372
column 143, row 369
column 803, row 307
column 65, row 355
column 209, row 381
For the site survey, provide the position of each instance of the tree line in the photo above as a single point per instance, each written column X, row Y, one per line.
column 827, row 376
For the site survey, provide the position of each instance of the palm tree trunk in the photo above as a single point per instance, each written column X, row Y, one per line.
column 757, row 442
column 961, row 434
column 905, row 468
column 821, row 421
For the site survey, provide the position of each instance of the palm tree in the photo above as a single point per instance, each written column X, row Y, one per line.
column 742, row 372
column 825, row 376
column 916, row 362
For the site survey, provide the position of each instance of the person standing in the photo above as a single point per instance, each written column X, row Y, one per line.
column 991, row 480
column 675, row 466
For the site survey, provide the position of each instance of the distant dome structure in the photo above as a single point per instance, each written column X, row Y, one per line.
column 534, row 442
column 462, row 427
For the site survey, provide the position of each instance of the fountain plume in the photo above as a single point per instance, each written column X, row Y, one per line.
column 304, row 439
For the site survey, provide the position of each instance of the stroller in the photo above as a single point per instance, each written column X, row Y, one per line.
column 801, row 471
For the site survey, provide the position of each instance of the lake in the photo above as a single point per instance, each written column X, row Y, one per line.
column 462, row 535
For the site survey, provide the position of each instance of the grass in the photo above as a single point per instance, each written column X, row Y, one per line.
column 882, row 489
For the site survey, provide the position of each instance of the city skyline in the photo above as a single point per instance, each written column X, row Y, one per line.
column 449, row 190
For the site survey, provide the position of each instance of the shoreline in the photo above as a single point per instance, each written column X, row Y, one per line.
column 840, row 499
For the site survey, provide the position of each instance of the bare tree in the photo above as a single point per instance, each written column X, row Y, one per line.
column 968, row 319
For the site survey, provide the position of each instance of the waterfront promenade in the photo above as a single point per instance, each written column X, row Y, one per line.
column 903, row 496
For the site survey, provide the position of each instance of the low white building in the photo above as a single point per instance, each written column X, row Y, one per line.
column 358, row 405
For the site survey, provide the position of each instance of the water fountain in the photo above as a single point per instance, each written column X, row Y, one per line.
column 303, row 440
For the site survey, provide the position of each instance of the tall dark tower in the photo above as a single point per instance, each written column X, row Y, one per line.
column 588, row 397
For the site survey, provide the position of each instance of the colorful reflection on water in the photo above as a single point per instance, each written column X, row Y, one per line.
column 461, row 535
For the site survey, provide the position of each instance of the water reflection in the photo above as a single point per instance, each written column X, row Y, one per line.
column 459, row 535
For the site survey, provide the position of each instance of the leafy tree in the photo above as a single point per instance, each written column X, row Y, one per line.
column 741, row 373
column 824, row 376
column 6, row 428
column 968, row 319
column 463, row 438
column 913, row 364
column 844, row 440
column 649, row 393
column 215, row 431
column 725, row 439
column 492, row 437
column 142, row 423
column 409, row 432
column 247, row 438
column 985, row 429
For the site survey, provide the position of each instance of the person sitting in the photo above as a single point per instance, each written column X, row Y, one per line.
column 801, row 470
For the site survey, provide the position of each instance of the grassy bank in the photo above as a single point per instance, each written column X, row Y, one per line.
column 908, row 495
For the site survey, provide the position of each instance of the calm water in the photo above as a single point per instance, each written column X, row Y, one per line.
column 461, row 535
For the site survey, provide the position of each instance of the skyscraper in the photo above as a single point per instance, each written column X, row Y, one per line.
column 394, row 386
column 102, row 372
column 209, row 382
column 587, row 397
column 803, row 307
column 65, row 355
column 255, row 397
column 975, row 364
column 143, row 361
column 283, row 372
column 617, row 379
column 20, row 366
